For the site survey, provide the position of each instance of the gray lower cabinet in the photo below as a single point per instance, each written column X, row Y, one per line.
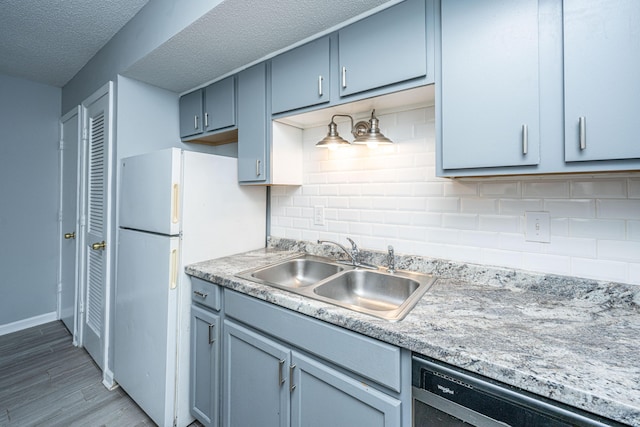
column 601, row 84
column 300, row 77
column 382, row 49
column 323, row 396
column 271, row 385
column 205, row 366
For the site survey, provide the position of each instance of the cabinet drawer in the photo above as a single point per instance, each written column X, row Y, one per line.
column 362, row 355
column 206, row 293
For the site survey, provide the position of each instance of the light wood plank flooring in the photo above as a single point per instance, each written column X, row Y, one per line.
column 46, row 381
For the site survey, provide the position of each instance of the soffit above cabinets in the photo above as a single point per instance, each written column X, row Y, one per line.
column 240, row 32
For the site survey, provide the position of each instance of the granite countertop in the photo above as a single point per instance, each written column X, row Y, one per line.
column 575, row 341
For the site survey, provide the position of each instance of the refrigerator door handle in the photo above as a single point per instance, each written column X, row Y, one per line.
column 174, row 269
column 175, row 213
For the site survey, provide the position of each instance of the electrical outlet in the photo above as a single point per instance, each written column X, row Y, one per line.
column 318, row 215
column 537, row 226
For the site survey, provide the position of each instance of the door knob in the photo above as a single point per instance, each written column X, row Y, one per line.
column 70, row 235
column 100, row 245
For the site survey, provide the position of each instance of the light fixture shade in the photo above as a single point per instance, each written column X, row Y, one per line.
column 332, row 140
column 371, row 135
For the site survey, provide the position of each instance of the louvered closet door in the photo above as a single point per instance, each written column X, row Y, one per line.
column 96, row 241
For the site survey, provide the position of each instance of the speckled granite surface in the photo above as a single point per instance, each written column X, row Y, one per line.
column 575, row 341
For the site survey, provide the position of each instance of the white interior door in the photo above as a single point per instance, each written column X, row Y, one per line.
column 70, row 128
column 96, row 241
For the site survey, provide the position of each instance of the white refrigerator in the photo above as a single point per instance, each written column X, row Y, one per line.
column 176, row 207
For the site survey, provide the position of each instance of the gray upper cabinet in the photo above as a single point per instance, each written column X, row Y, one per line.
column 384, row 48
column 208, row 110
column 300, row 77
column 601, row 79
column 489, row 82
column 220, row 105
column 191, row 114
column 253, row 133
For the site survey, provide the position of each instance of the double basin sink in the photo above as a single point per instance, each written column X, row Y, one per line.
column 376, row 292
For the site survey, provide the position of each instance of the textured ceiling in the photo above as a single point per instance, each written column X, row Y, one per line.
column 238, row 32
column 49, row 41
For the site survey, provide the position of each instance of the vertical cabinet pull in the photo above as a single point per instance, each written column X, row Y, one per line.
column 344, row 77
column 320, row 85
column 211, row 339
column 206, row 120
column 257, row 167
column 525, row 139
column 280, row 373
column 292, row 386
column 195, row 122
column 582, row 123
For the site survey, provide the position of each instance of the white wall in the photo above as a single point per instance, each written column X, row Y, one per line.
column 391, row 196
column 29, row 114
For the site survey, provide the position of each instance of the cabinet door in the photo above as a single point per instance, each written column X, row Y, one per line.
column 300, row 77
column 323, row 397
column 601, row 79
column 385, row 48
column 489, row 83
column 252, row 124
column 191, row 113
column 205, row 366
column 256, row 391
column 220, row 105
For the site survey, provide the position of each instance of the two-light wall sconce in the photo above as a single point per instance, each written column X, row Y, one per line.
column 365, row 133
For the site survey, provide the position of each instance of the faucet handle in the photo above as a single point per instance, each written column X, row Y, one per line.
column 391, row 260
column 353, row 244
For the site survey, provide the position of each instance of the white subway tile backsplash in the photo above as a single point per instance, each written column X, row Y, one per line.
column 597, row 228
column 599, row 269
column 545, row 263
column 601, row 189
column 499, row 223
column 546, row 189
column 572, row 246
column 391, row 195
column 619, row 250
column 460, row 221
column 634, row 188
column 633, row 230
column 578, row 208
column 618, row 209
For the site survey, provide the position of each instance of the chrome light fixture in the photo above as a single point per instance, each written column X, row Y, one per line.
column 364, row 132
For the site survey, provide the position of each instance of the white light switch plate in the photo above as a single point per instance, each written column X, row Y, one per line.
column 537, row 225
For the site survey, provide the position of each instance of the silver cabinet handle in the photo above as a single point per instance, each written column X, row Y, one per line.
column 257, row 167
column 195, row 122
column 582, row 123
column 206, row 120
column 280, row 373
column 211, row 339
column 320, row 85
column 200, row 294
column 525, row 139
column 292, row 386
column 344, row 77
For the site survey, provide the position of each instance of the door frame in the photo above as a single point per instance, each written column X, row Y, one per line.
column 63, row 143
column 106, row 90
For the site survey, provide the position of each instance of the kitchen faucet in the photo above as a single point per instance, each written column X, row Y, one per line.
column 354, row 253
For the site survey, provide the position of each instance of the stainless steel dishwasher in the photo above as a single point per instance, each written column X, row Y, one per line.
column 448, row 397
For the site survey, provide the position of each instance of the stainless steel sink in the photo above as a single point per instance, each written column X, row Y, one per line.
column 385, row 295
column 296, row 273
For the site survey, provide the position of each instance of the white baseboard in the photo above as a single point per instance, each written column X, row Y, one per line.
column 28, row 323
column 108, row 381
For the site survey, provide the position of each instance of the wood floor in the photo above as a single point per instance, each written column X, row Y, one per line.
column 46, row 381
